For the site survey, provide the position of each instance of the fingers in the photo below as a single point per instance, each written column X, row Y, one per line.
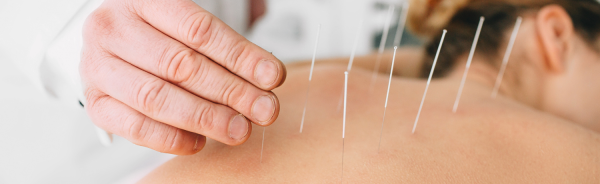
column 193, row 26
column 174, row 62
column 165, row 102
column 118, row 118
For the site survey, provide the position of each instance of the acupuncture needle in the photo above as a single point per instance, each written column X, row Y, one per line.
column 387, row 97
column 312, row 66
column 471, row 53
column 358, row 32
column 386, row 30
column 344, row 121
column 401, row 24
column 351, row 62
column 429, row 80
column 511, row 43
column 262, row 147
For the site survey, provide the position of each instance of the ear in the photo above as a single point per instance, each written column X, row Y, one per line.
column 555, row 30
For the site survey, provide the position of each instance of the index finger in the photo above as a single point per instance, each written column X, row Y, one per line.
column 197, row 28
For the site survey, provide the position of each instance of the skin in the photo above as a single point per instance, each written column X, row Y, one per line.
column 167, row 74
column 515, row 138
column 407, row 67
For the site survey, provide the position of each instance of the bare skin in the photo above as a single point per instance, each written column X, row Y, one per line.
column 498, row 141
column 408, row 66
column 542, row 129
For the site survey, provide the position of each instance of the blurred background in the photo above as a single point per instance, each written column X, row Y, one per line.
column 45, row 140
column 289, row 28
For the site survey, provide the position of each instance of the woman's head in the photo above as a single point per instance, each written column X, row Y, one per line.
column 555, row 61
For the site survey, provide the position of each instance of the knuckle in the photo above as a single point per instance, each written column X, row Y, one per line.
column 204, row 118
column 171, row 141
column 179, row 67
column 151, row 96
column 92, row 97
column 108, row 21
column 193, row 72
column 146, row 132
column 95, row 99
column 137, row 128
column 199, row 29
column 203, row 31
column 234, row 94
column 97, row 107
column 100, row 22
column 237, row 53
column 94, row 105
column 202, row 71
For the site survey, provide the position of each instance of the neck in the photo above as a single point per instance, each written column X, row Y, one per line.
column 483, row 76
column 479, row 73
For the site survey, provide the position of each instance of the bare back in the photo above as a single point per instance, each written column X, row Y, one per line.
column 486, row 141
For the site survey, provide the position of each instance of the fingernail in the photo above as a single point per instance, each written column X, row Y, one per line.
column 266, row 73
column 196, row 144
column 238, row 127
column 263, row 109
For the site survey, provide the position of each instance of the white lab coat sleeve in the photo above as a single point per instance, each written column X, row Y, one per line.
column 28, row 28
column 43, row 38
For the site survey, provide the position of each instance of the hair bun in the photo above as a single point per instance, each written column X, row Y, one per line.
column 428, row 17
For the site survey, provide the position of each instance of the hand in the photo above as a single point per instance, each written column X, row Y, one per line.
column 166, row 73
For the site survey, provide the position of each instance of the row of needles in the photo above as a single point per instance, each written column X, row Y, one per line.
column 397, row 40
